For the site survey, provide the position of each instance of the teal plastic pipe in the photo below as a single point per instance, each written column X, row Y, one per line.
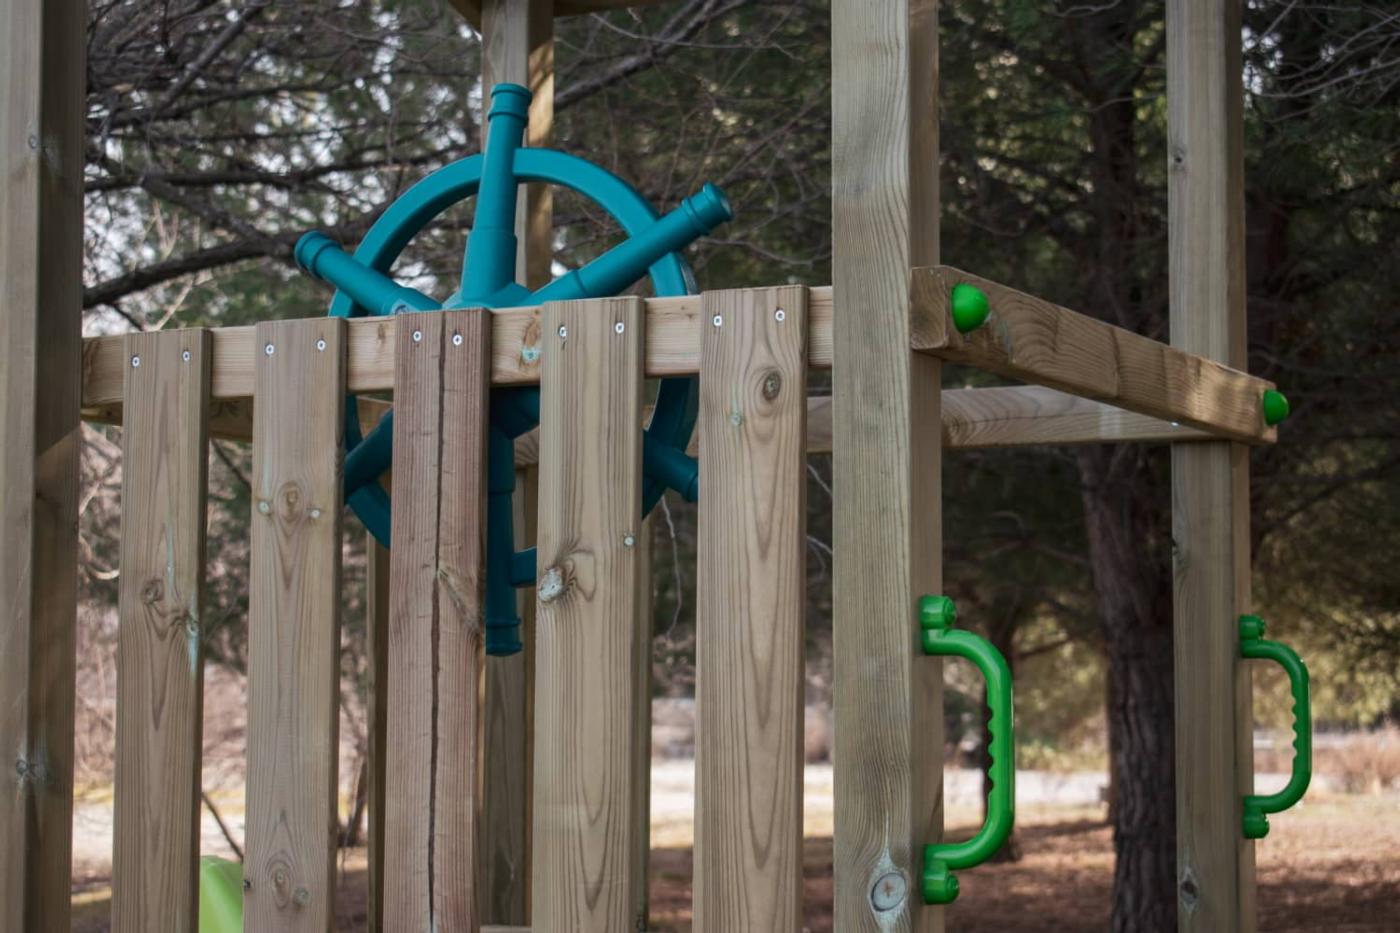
column 1257, row 807
column 937, row 614
column 488, row 266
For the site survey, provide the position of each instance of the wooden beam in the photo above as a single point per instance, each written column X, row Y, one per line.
column 1161, row 383
column 160, row 644
column 377, row 568
column 1210, row 482
column 1033, row 340
column 517, row 46
column 752, row 597
column 586, row 624
column 436, row 627
column 294, row 627
column 886, row 464
column 42, row 111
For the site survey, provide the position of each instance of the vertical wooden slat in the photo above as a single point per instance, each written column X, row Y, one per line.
column 641, row 724
column 436, row 634
column 1210, row 480
column 751, row 600
column 377, row 641
column 160, row 650
column 294, row 625
column 586, row 624
column 887, row 460
column 42, row 108
column 517, row 46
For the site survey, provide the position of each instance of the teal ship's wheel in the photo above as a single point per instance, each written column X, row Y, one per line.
column 363, row 286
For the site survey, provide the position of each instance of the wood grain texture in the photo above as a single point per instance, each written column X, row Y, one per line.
column 1034, row 340
column 377, row 571
column 1210, row 482
column 751, row 592
column 294, row 626
column 586, row 623
column 517, row 46
column 887, row 460
column 436, row 623
column 640, row 818
column 672, row 349
column 160, row 644
column 42, row 111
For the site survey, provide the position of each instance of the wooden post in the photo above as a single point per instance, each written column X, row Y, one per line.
column 436, row 632
column 294, row 626
column 749, row 620
column 160, row 649
column 517, row 46
column 1210, row 480
column 42, row 110
column 586, row 623
column 886, row 461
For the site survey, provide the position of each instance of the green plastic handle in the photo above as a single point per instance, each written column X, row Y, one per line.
column 936, row 617
column 220, row 895
column 1257, row 807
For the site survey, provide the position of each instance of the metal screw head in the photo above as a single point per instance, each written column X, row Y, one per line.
column 315, row 513
column 456, row 340
column 302, row 897
column 619, row 327
column 417, row 336
column 268, row 349
column 628, row 540
column 717, row 320
column 321, row 345
column 264, row 507
column 135, row 362
column 185, row 355
column 889, row 891
column 780, row 315
column 563, row 332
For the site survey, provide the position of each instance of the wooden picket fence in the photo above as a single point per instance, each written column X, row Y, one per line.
column 591, row 637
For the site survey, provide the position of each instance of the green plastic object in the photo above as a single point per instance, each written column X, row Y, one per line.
column 1257, row 807
column 937, row 614
column 970, row 307
column 1275, row 407
column 220, row 896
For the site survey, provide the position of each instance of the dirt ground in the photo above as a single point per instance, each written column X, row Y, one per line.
column 1332, row 865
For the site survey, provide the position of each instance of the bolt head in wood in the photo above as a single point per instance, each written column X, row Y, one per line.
column 889, row 892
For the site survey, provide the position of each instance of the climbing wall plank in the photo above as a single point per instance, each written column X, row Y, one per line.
column 1210, row 480
column 160, row 652
column 751, row 597
column 294, row 625
column 436, row 634
column 886, row 462
column 586, row 618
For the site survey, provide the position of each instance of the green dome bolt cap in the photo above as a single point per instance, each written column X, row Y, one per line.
column 970, row 308
column 1275, row 407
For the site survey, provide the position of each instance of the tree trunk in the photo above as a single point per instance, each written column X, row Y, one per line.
column 1130, row 558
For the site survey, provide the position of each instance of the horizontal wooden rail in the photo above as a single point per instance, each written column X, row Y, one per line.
column 1103, row 367
column 1033, row 340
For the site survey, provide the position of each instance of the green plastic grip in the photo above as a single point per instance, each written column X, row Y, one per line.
column 220, row 895
column 1257, row 807
column 936, row 617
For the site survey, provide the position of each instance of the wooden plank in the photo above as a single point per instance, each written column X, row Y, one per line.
column 640, row 818
column 160, row 645
column 294, row 626
column 751, row 591
column 42, row 112
column 1033, row 340
column 1210, row 482
column 436, row 623
column 887, row 462
column 672, row 349
column 517, row 46
column 586, row 625
column 377, row 641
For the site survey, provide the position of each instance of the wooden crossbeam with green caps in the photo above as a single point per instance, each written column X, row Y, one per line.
column 505, row 373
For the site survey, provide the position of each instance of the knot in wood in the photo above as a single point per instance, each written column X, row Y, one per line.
column 291, row 502
column 772, row 385
column 153, row 591
column 551, row 585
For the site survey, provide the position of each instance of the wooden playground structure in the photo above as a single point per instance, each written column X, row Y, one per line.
column 510, row 793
